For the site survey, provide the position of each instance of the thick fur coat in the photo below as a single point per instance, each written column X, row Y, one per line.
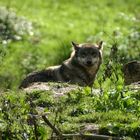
column 81, row 68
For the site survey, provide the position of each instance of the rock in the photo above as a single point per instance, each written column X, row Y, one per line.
column 89, row 128
column 131, row 72
column 57, row 88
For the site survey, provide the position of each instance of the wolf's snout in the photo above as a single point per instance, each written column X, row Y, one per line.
column 89, row 62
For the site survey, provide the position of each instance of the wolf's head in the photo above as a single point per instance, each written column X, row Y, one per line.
column 88, row 55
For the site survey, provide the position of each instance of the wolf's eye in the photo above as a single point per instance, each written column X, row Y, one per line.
column 93, row 54
column 83, row 54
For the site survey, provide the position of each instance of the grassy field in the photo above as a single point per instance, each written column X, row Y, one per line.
column 38, row 34
column 57, row 23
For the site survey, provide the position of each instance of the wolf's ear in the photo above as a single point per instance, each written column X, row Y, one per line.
column 100, row 45
column 75, row 45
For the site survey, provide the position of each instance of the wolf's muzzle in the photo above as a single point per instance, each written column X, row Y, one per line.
column 89, row 63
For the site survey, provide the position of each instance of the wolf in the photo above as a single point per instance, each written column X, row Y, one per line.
column 81, row 68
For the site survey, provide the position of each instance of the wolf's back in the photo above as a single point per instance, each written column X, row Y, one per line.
column 41, row 76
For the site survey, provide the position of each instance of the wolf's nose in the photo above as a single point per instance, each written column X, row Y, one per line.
column 89, row 62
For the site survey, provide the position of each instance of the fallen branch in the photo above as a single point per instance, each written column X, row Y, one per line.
column 51, row 126
column 79, row 136
column 90, row 137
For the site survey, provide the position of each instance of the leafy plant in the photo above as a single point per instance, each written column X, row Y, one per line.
column 13, row 27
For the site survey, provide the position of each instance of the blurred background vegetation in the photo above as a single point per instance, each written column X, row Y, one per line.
column 37, row 34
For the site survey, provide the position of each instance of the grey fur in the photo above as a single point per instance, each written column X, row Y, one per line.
column 81, row 68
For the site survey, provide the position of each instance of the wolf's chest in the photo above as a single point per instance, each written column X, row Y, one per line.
column 77, row 75
column 92, row 71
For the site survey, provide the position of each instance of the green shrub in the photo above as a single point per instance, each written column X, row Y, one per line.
column 13, row 27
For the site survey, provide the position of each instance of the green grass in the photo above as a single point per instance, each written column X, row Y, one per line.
column 70, row 113
column 55, row 24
